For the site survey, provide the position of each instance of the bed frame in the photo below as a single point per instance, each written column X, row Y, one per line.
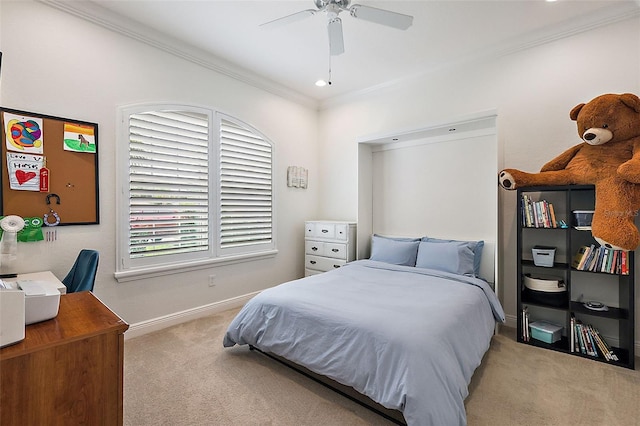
column 394, row 416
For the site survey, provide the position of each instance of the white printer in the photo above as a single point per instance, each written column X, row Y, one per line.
column 11, row 315
column 25, row 302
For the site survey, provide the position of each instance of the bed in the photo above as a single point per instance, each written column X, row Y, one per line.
column 407, row 337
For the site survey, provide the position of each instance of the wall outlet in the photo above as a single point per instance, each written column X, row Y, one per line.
column 212, row 280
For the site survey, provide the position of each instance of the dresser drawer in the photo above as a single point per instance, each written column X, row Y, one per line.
column 322, row 263
column 314, row 247
column 320, row 230
column 319, row 248
column 335, row 250
column 342, row 231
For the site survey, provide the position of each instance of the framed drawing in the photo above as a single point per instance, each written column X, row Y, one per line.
column 49, row 168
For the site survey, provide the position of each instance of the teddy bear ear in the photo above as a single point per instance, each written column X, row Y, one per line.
column 575, row 111
column 631, row 100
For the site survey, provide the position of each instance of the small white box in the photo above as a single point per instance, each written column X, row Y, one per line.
column 543, row 256
column 41, row 300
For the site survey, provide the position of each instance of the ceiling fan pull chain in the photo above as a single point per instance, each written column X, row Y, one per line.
column 329, row 81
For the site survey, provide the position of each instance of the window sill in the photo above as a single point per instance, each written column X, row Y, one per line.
column 178, row 268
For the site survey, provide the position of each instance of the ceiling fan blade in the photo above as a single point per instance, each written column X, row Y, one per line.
column 298, row 16
column 336, row 42
column 381, row 16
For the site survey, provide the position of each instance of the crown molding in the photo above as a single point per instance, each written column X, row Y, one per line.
column 562, row 30
column 102, row 17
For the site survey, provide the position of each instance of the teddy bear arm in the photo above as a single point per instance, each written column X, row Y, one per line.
column 561, row 161
column 513, row 178
column 630, row 169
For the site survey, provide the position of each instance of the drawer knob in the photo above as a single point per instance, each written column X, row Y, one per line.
column 313, row 262
column 324, row 231
column 314, row 248
column 336, row 266
column 335, row 250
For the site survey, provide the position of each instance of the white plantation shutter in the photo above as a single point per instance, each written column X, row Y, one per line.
column 168, row 183
column 246, row 209
column 196, row 190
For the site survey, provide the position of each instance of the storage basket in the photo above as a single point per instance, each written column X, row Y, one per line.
column 545, row 290
column 543, row 256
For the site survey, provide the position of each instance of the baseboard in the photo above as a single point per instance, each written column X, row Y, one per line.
column 511, row 321
column 155, row 324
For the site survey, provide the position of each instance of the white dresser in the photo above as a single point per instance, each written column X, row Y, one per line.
column 328, row 245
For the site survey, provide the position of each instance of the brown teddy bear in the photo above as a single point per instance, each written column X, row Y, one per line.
column 609, row 158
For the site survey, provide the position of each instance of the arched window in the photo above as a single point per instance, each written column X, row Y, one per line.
column 195, row 188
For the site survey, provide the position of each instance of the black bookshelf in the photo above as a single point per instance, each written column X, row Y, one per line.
column 617, row 324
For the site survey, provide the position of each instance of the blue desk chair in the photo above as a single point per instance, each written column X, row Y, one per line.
column 82, row 275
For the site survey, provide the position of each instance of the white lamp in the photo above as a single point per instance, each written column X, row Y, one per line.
column 11, row 225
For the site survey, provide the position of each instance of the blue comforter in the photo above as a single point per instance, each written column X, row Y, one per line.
column 408, row 338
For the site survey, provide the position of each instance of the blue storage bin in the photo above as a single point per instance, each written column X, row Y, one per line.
column 545, row 331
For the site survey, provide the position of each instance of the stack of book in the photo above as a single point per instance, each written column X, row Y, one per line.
column 601, row 259
column 586, row 339
column 537, row 214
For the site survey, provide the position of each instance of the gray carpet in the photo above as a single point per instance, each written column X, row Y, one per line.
column 183, row 376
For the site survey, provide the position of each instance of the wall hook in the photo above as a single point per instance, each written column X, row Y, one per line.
column 53, row 195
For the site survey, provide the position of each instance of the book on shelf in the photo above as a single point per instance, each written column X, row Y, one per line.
column 554, row 224
column 606, row 349
column 600, row 259
column 580, row 257
column 586, row 339
column 613, row 266
column 537, row 214
column 578, row 331
column 525, row 324
column 572, row 338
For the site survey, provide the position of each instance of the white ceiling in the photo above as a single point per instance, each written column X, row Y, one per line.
column 225, row 35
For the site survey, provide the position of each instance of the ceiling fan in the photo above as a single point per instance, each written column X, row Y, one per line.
column 333, row 9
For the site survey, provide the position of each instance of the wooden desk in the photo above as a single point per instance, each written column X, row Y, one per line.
column 67, row 370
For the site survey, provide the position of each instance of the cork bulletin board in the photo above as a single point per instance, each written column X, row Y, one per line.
column 49, row 164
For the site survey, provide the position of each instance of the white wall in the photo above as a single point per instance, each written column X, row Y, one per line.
column 67, row 67
column 532, row 92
